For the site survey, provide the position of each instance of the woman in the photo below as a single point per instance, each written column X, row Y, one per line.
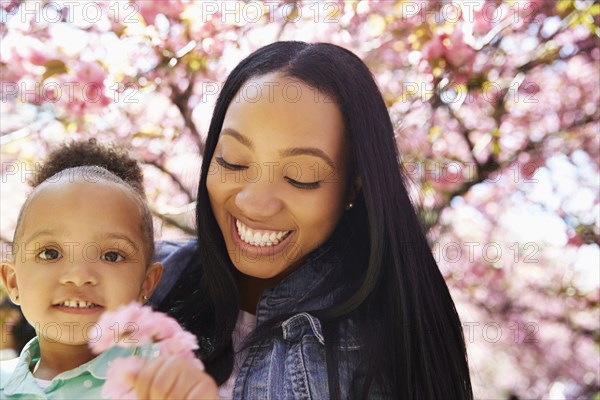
column 306, row 230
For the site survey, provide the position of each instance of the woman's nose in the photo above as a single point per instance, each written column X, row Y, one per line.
column 258, row 200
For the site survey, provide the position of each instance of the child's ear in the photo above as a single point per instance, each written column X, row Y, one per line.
column 153, row 275
column 9, row 279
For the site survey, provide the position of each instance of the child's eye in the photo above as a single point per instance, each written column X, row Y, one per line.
column 304, row 185
column 49, row 254
column 226, row 165
column 112, row 256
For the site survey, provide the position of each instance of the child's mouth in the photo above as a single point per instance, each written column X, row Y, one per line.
column 76, row 306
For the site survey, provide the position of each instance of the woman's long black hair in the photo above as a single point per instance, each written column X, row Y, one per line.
column 413, row 339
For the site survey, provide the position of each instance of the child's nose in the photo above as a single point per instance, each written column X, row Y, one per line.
column 79, row 273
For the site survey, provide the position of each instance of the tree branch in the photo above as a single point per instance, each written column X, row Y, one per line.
column 171, row 221
column 180, row 99
column 173, row 177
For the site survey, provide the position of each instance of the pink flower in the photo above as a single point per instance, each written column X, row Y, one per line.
column 135, row 325
column 451, row 47
column 433, row 49
column 457, row 51
column 120, row 327
column 150, row 9
column 38, row 57
column 482, row 23
column 180, row 343
column 116, row 386
column 90, row 72
column 449, row 178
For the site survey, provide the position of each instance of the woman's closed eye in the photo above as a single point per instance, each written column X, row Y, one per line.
column 113, row 256
column 49, row 254
column 233, row 167
column 303, row 185
column 236, row 167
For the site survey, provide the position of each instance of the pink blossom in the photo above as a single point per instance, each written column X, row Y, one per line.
column 457, row 52
column 179, row 343
column 136, row 326
column 452, row 48
column 449, row 178
column 150, row 9
column 10, row 6
column 90, row 72
column 38, row 57
column 124, row 320
column 433, row 49
column 529, row 164
column 116, row 386
column 481, row 23
column 84, row 90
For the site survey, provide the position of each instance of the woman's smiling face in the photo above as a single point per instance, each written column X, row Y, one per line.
column 278, row 182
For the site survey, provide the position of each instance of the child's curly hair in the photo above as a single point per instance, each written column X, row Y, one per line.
column 92, row 161
column 90, row 153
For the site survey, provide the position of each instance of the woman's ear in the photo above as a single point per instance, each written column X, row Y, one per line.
column 9, row 279
column 153, row 275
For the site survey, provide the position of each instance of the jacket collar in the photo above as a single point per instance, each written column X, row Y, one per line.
column 301, row 291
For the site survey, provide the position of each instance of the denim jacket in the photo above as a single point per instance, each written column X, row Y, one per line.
column 293, row 364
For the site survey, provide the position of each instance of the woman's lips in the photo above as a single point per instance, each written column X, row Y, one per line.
column 260, row 237
column 274, row 242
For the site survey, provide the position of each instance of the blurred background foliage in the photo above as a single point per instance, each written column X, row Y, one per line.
column 496, row 110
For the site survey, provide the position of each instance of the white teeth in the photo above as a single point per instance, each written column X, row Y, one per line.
column 259, row 238
column 77, row 304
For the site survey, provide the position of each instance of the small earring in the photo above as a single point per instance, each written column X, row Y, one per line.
column 350, row 205
column 145, row 298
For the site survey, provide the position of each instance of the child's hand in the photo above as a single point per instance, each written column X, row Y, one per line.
column 173, row 377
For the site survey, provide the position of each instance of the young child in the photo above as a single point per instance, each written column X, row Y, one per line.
column 83, row 244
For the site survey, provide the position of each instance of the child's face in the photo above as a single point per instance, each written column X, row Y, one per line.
column 80, row 252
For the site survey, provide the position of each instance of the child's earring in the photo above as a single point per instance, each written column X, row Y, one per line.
column 145, row 298
column 349, row 206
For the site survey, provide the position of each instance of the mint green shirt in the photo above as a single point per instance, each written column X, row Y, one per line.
column 83, row 382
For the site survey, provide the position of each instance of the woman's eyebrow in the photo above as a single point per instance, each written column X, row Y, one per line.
column 310, row 151
column 246, row 141
column 292, row 151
